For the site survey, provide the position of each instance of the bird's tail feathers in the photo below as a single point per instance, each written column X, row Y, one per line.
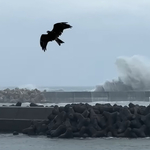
column 59, row 42
column 43, row 45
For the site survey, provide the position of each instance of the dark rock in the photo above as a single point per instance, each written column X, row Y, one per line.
column 131, row 105
column 129, row 133
column 101, row 133
column 40, row 127
column 55, row 110
column 140, row 132
column 93, row 118
column 101, row 120
column 67, row 108
column 51, row 116
column 147, row 110
column 76, row 134
column 135, row 123
column 78, row 108
column 125, row 114
column 18, row 104
column 57, row 132
column 146, row 120
column 111, row 118
column 70, row 113
column 116, row 108
column 33, row 105
column 86, row 113
column 67, row 134
column 141, row 110
column 29, row 131
column 82, row 121
column 74, row 126
column 15, row 133
column 61, row 108
column 106, row 108
column 122, row 125
column 57, row 121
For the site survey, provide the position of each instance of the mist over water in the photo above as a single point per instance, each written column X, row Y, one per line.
column 133, row 74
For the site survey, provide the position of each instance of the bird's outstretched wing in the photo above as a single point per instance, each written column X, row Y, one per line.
column 59, row 27
column 43, row 41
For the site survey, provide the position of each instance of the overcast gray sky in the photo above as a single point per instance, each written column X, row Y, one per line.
column 102, row 31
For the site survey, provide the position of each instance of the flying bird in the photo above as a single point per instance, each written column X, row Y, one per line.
column 54, row 34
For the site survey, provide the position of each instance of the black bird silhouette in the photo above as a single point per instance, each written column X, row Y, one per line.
column 54, row 34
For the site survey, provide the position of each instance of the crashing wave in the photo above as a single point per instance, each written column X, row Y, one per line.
column 133, row 74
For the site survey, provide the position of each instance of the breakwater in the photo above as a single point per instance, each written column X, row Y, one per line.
column 100, row 120
column 70, row 97
column 77, row 120
column 37, row 96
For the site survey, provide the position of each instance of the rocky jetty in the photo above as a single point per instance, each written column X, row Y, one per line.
column 100, row 120
column 22, row 95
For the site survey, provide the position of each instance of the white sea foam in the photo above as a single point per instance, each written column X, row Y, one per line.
column 133, row 74
column 28, row 86
column 122, row 103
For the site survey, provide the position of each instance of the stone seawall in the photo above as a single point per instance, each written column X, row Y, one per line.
column 37, row 96
column 17, row 118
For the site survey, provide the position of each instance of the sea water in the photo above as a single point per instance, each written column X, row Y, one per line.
column 24, row 142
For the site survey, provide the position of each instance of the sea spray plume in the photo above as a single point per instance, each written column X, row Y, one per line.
column 114, row 85
column 133, row 74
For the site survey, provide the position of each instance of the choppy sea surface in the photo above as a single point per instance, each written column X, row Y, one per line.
column 24, row 142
